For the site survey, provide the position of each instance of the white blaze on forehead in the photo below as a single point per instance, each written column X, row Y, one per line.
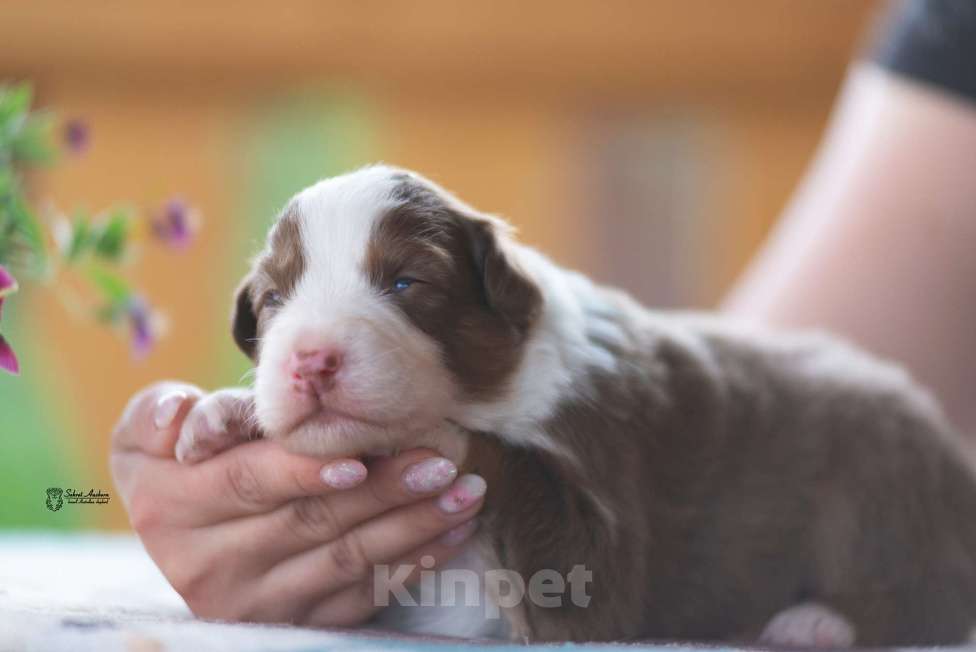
column 337, row 217
column 391, row 373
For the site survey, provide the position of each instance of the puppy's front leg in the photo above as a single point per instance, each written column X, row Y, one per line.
column 217, row 421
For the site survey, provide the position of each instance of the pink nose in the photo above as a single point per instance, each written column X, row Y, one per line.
column 316, row 366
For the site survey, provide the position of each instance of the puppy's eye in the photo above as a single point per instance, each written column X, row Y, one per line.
column 272, row 299
column 401, row 284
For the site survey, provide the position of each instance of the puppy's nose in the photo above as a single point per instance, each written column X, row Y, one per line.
column 315, row 365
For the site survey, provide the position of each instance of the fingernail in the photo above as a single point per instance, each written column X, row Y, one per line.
column 166, row 408
column 343, row 475
column 460, row 533
column 183, row 447
column 463, row 494
column 430, row 475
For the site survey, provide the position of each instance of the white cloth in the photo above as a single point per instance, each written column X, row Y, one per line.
column 102, row 592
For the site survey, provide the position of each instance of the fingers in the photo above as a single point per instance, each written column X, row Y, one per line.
column 187, row 517
column 258, row 476
column 349, row 608
column 392, row 482
column 355, row 604
column 206, row 576
column 250, row 479
column 217, row 421
column 386, row 539
column 212, row 595
column 350, row 558
column 151, row 421
column 308, row 522
column 234, row 494
column 147, row 430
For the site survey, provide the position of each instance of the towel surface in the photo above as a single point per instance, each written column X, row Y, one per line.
column 101, row 592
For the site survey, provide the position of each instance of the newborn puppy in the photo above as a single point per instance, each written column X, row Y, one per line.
column 719, row 485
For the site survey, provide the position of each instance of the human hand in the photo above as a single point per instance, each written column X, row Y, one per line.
column 257, row 533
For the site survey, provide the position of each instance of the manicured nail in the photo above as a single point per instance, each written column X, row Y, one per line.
column 463, row 493
column 460, row 533
column 183, row 447
column 343, row 475
column 166, row 408
column 432, row 474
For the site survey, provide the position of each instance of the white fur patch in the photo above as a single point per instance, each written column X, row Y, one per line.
column 217, row 421
column 809, row 625
column 391, row 374
column 395, row 374
column 557, row 354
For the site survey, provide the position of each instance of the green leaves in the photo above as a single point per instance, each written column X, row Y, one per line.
column 24, row 136
column 15, row 101
column 22, row 244
column 115, row 292
column 24, row 141
column 89, row 246
column 112, row 286
column 95, row 245
column 104, row 237
column 111, row 238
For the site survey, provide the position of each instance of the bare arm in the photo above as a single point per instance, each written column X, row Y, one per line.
column 879, row 244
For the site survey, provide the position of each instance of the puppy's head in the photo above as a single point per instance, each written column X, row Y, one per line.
column 378, row 307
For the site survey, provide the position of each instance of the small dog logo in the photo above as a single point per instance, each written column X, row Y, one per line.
column 54, row 500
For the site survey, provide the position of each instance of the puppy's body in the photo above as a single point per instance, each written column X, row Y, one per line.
column 733, row 478
column 708, row 478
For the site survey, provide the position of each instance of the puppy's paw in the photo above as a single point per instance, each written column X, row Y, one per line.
column 808, row 625
column 217, row 421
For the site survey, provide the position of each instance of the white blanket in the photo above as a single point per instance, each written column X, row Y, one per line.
column 102, row 593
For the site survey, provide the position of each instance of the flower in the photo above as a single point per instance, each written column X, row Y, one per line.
column 140, row 326
column 175, row 223
column 76, row 136
column 8, row 361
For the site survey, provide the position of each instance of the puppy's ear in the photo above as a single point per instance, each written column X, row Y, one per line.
column 506, row 289
column 244, row 321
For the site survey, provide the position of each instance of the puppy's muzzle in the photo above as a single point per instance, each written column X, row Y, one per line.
column 314, row 371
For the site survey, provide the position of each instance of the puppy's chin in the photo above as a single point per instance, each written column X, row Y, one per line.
column 328, row 434
column 337, row 436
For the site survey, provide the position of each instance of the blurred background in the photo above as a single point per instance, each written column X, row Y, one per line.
column 650, row 144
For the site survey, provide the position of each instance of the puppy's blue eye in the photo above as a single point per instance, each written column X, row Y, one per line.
column 273, row 299
column 402, row 283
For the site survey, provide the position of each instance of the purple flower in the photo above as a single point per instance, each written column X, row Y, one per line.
column 140, row 326
column 175, row 223
column 8, row 361
column 8, row 284
column 77, row 136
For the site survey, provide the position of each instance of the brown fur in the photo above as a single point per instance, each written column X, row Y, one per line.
column 469, row 300
column 732, row 507
column 710, row 481
column 743, row 480
column 277, row 268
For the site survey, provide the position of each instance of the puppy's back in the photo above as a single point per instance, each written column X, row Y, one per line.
column 841, row 482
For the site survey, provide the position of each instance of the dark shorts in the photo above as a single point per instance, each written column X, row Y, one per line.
column 931, row 41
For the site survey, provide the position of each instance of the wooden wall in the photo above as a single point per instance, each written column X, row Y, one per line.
column 509, row 103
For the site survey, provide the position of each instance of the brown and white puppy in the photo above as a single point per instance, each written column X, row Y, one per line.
column 718, row 484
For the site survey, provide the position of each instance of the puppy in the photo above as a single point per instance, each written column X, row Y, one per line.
column 716, row 484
